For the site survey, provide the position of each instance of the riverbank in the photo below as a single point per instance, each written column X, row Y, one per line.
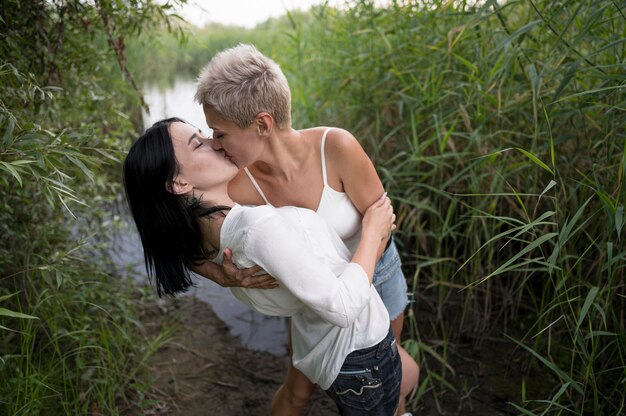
column 204, row 370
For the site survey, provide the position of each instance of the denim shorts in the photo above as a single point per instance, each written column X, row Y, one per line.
column 390, row 283
column 368, row 383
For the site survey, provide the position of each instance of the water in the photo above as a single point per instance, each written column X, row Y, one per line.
column 256, row 331
column 174, row 101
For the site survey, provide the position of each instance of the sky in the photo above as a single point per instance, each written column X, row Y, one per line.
column 246, row 13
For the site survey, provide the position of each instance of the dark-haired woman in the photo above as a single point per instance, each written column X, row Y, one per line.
column 177, row 189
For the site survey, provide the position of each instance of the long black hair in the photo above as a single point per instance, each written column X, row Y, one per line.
column 167, row 223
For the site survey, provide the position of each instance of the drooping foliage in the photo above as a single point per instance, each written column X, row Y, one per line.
column 68, row 108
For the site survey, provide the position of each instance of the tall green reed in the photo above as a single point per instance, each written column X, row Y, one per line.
column 498, row 129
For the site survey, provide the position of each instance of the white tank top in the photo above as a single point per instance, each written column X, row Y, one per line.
column 334, row 206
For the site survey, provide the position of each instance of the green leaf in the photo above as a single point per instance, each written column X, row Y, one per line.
column 547, row 188
column 106, row 155
column 589, row 92
column 606, row 200
column 8, row 329
column 588, row 301
column 22, row 162
column 619, row 220
column 555, row 369
column 593, row 334
column 521, row 410
column 11, row 169
column 535, row 159
column 59, row 279
column 535, row 79
column 13, row 314
column 566, row 79
column 525, row 250
column 521, row 31
column 469, row 65
column 5, row 297
column 566, row 230
column 77, row 162
column 8, row 132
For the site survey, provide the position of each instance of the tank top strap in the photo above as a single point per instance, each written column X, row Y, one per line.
column 324, row 176
column 256, row 185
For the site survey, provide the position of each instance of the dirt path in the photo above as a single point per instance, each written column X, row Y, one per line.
column 206, row 371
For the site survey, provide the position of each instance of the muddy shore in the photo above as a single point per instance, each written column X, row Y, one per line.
column 204, row 370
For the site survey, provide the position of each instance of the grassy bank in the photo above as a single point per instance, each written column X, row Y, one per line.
column 499, row 131
column 71, row 341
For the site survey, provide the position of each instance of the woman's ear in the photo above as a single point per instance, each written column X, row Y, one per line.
column 179, row 186
column 264, row 123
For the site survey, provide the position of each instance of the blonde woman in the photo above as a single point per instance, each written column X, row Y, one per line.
column 247, row 103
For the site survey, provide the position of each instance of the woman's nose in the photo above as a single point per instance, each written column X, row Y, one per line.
column 215, row 144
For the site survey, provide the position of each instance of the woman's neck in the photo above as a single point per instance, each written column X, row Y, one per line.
column 283, row 156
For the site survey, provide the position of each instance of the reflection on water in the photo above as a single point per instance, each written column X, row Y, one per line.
column 256, row 331
column 174, row 101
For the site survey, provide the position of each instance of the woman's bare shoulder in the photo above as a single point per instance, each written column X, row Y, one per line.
column 341, row 146
column 242, row 191
column 336, row 139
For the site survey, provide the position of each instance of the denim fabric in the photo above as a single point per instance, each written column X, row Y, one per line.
column 390, row 283
column 369, row 381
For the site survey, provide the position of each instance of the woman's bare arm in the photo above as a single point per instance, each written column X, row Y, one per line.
column 350, row 166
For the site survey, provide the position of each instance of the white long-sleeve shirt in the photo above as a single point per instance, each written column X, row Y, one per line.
column 333, row 308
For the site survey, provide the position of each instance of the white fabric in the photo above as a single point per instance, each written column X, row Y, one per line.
column 333, row 308
column 338, row 210
column 256, row 185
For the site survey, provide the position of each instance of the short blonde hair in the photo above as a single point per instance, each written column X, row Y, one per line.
column 240, row 82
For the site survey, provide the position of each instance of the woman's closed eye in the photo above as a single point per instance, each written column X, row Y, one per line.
column 201, row 141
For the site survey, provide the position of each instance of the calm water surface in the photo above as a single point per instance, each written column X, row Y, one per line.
column 256, row 331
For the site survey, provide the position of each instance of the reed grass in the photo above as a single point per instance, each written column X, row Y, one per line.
column 71, row 341
column 499, row 131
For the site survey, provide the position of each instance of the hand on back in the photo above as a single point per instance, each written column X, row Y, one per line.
column 228, row 275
